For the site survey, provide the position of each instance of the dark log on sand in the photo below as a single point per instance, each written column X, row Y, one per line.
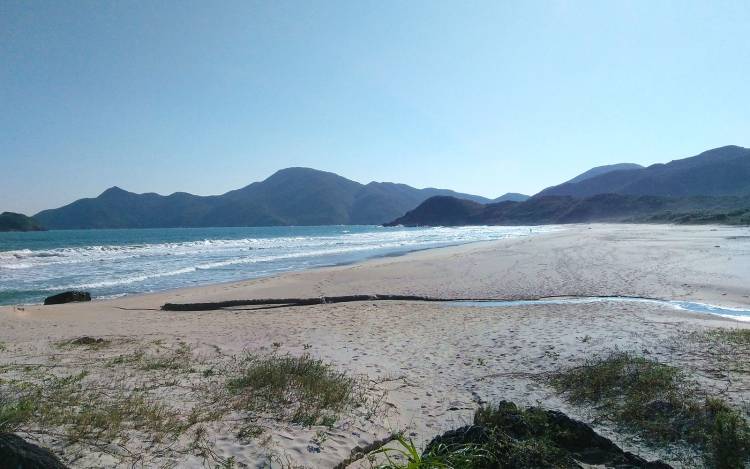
column 295, row 302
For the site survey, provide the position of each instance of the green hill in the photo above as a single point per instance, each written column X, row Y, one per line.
column 10, row 221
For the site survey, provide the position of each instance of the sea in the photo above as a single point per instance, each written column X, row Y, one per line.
column 114, row 263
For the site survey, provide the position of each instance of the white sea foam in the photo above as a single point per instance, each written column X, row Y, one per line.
column 25, row 258
column 122, row 281
column 110, row 269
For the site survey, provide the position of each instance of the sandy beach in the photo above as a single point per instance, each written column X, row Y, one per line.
column 427, row 366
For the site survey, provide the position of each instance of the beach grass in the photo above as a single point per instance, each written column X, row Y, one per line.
column 300, row 389
column 722, row 354
column 14, row 412
column 82, row 411
column 112, row 403
column 659, row 402
column 733, row 336
column 179, row 358
column 166, row 395
column 158, row 358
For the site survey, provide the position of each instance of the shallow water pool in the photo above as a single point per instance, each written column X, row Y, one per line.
column 733, row 313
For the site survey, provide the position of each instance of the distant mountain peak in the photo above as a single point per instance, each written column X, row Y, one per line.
column 725, row 148
column 725, row 152
column 297, row 169
column 113, row 191
column 300, row 171
column 512, row 197
column 599, row 170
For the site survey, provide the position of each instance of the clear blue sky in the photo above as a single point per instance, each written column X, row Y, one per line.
column 482, row 97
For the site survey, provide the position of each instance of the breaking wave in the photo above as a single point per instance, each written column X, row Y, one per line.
column 116, row 262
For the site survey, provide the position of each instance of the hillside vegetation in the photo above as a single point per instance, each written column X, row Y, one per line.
column 10, row 221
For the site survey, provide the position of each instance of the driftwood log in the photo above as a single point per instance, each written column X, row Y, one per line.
column 296, row 302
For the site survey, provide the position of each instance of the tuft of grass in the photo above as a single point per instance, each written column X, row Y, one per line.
column 739, row 337
column 301, row 389
column 659, row 402
column 177, row 359
column 109, row 420
column 127, row 358
column 249, row 431
column 14, row 413
column 89, row 342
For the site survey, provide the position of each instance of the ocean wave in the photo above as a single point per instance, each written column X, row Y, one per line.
column 122, row 281
column 26, row 258
column 110, row 269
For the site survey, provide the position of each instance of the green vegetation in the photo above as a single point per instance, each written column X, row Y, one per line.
column 177, row 359
column 164, row 396
column 10, row 221
column 724, row 352
column 116, row 403
column 300, row 389
column 85, row 342
column 659, row 402
column 703, row 217
column 739, row 337
column 14, row 412
column 82, row 411
column 505, row 436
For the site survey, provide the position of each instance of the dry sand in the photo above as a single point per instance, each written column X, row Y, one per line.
column 433, row 364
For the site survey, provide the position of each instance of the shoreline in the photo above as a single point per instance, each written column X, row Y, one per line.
column 251, row 288
column 325, row 263
column 324, row 267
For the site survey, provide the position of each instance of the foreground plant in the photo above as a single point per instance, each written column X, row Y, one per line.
column 506, row 436
column 301, row 389
column 659, row 402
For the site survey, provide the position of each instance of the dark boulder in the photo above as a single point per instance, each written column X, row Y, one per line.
column 468, row 435
column 587, row 446
column 512, row 437
column 17, row 453
column 67, row 297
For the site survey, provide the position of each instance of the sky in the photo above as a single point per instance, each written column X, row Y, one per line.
column 485, row 97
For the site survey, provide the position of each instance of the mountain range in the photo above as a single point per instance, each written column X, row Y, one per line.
column 712, row 187
column 706, row 185
column 560, row 209
column 723, row 171
column 292, row 196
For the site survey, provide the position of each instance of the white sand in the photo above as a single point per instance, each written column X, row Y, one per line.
column 437, row 363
